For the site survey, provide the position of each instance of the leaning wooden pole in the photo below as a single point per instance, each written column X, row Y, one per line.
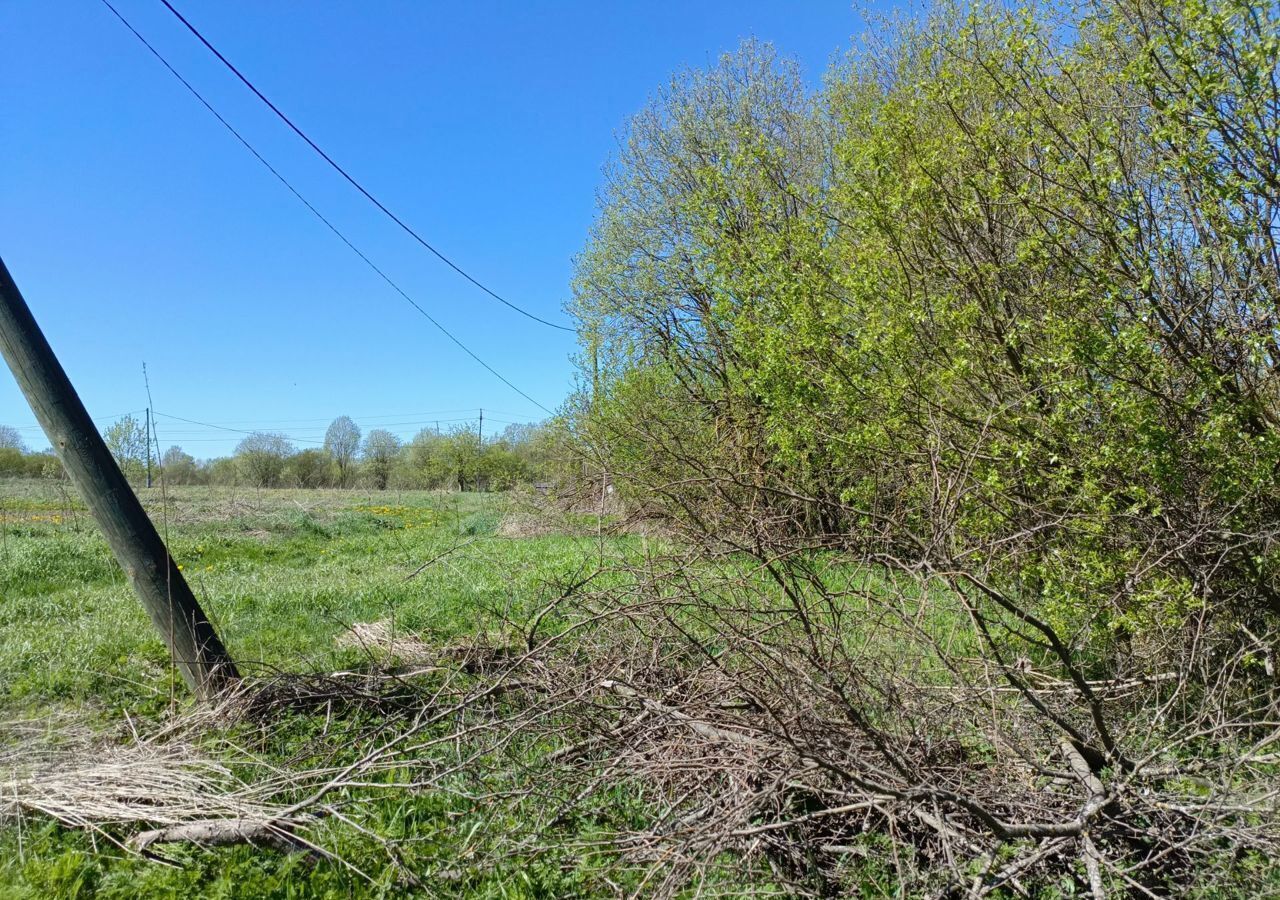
column 174, row 610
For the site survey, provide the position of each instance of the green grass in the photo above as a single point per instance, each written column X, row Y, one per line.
column 282, row 574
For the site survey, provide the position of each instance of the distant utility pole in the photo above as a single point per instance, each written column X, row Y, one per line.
column 155, row 438
column 176, row 614
column 482, row 427
column 148, row 446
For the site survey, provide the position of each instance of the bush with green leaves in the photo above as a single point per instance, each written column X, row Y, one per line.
column 129, row 443
column 993, row 295
column 311, row 468
column 180, row 467
column 996, row 308
column 378, row 457
column 261, row 458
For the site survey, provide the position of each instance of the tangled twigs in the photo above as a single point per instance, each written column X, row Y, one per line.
column 814, row 726
column 193, row 781
column 792, row 725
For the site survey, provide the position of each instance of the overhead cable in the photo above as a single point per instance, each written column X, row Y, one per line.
column 383, row 275
column 357, row 185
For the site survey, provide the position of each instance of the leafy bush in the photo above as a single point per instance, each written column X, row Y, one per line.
column 993, row 312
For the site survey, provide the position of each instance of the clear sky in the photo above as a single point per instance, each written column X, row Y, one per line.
column 139, row 230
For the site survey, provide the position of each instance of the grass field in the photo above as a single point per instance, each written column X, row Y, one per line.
column 460, row 809
column 283, row 574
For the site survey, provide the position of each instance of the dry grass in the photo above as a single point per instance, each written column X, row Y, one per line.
column 157, row 781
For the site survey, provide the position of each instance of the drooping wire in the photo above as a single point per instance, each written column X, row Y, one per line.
column 357, row 185
column 232, row 430
column 270, row 168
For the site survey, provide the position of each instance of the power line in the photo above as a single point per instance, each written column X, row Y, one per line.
column 199, row 434
column 308, row 435
column 258, row 156
column 184, row 436
column 232, row 430
column 419, row 419
column 409, row 418
column 357, row 185
column 111, row 418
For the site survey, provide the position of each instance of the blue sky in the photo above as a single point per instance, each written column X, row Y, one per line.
column 139, row 230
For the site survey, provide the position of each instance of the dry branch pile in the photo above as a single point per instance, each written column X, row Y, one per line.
column 825, row 737
column 206, row 776
column 164, row 782
column 819, row 728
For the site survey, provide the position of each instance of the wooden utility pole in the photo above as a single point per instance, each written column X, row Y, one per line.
column 174, row 610
column 148, row 430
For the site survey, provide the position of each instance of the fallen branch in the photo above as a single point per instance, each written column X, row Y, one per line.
column 221, row 832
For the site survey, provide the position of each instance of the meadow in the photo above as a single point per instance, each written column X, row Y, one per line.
column 284, row 574
column 394, row 696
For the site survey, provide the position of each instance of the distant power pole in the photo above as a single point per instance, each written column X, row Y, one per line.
column 155, row 440
column 482, row 427
column 148, row 446
column 176, row 614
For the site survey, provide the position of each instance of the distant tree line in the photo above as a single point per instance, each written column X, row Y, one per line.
column 16, row 461
column 457, row 459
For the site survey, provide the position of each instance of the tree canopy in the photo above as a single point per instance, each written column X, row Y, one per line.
column 342, row 443
column 262, row 456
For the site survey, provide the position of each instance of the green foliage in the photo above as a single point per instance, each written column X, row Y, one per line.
column 310, row 468
column 342, row 444
column 223, row 472
column 261, row 458
column 455, row 460
column 992, row 292
column 380, row 451
column 12, row 462
column 283, row 585
column 181, row 467
column 16, row 463
column 458, row 459
column 129, row 443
